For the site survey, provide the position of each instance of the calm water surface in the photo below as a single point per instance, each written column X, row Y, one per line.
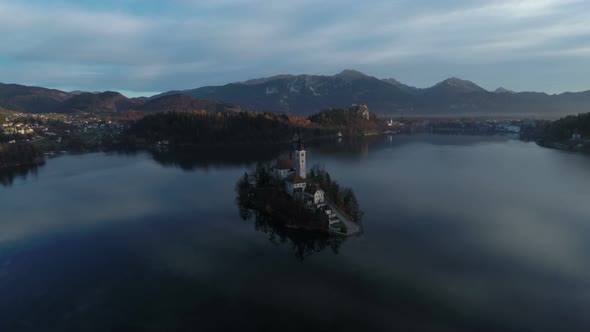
column 461, row 234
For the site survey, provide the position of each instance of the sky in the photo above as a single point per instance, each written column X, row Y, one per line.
column 144, row 47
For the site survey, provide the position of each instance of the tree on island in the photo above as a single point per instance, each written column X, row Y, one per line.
column 343, row 197
column 302, row 242
column 268, row 196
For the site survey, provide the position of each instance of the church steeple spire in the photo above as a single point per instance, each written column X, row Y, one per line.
column 300, row 145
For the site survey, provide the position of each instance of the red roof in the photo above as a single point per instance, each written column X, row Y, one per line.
column 285, row 164
column 299, row 179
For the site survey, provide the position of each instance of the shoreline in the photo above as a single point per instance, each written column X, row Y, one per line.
column 14, row 166
column 563, row 147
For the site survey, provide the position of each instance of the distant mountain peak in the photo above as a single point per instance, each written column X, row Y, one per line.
column 392, row 81
column 459, row 85
column 304, row 95
column 455, row 81
column 263, row 80
column 350, row 73
column 79, row 92
column 503, row 90
column 347, row 74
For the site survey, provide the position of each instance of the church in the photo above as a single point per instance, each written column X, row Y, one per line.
column 293, row 171
column 296, row 181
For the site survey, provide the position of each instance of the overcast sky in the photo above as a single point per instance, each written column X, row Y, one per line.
column 140, row 47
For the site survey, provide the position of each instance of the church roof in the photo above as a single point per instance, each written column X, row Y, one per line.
column 299, row 179
column 285, row 164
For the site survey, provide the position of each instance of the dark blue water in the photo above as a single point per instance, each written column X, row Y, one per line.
column 461, row 234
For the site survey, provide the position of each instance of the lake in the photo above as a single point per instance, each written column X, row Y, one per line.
column 460, row 234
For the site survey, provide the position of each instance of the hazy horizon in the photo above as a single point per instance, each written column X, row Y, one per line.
column 147, row 47
column 136, row 94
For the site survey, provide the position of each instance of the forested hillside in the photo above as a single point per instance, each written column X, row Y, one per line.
column 220, row 128
column 565, row 127
column 350, row 121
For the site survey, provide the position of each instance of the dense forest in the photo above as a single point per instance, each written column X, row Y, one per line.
column 269, row 197
column 564, row 128
column 197, row 128
column 343, row 197
column 347, row 121
column 206, row 128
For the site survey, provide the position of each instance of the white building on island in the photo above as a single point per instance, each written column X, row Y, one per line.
column 318, row 197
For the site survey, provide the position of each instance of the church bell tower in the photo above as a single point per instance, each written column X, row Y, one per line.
column 300, row 168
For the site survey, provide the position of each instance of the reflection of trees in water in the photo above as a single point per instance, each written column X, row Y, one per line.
column 355, row 146
column 8, row 175
column 193, row 158
column 237, row 155
column 303, row 243
column 360, row 147
column 204, row 158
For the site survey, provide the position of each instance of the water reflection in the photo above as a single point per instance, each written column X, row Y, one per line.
column 203, row 158
column 357, row 147
column 206, row 158
column 360, row 147
column 191, row 159
column 7, row 176
column 460, row 230
column 303, row 243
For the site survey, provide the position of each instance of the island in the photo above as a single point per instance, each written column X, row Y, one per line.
column 299, row 200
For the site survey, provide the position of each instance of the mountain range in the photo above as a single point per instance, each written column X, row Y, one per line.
column 307, row 94
column 29, row 99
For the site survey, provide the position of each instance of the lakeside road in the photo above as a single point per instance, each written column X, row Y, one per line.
column 37, row 140
column 352, row 228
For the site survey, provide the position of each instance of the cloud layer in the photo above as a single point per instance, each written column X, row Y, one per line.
column 149, row 46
